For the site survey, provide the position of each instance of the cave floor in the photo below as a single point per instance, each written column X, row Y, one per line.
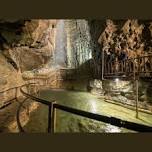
column 66, row 122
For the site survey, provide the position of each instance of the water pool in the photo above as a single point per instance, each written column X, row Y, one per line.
column 66, row 122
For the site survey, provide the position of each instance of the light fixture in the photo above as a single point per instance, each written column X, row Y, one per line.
column 116, row 79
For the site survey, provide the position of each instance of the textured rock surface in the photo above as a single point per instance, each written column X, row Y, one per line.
column 123, row 92
column 78, row 39
column 8, row 122
column 132, row 35
column 27, row 49
column 24, row 45
column 30, row 44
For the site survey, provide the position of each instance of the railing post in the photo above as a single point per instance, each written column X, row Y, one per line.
column 51, row 118
column 134, row 72
column 136, row 86
column 136, row 98
column 105, row 69
column 121, row 66
column 108, row 68
column 144, row 65
column 125, row 70
column 150, row 60
column 112, row 64
column 138, row 65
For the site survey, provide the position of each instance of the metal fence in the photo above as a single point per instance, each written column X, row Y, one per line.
column 53, row 106
column 138, row 65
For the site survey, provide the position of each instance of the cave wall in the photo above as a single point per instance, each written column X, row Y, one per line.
column 133, row 36
column 28, row 44
column 123, row 92
column 24, row 45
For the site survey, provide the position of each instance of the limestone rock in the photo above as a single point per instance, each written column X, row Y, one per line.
column 28, row 44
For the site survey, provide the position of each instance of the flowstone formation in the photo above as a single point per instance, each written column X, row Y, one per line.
column 134, row 39
column 79, row 46
column 131, row 36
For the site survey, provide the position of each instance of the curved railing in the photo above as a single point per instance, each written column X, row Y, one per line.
column 53, row 106
column 15, row 94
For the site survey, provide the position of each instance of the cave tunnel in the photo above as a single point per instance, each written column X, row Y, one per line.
column 75, row 75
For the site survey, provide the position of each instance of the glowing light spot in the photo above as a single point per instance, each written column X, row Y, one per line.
column 93, row 106
column 116, row 79
column 112, row 129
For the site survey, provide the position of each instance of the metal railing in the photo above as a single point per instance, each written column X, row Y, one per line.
column 138, row 65
column 52, row 106
column 8, row 102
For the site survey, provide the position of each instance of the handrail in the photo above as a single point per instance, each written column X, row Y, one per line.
column 35, row 98
column 126, row 66
column 8, row 102
column 18, row 116
column 106, row 119
column 12, row 88
column 16, row 87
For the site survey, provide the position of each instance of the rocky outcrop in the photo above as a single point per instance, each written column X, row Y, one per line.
column 25, row 45
column 28, row 44
column 9, row 78
column 132, row 35
column 120, row 91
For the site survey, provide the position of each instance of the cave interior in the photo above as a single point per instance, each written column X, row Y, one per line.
column 103, row 67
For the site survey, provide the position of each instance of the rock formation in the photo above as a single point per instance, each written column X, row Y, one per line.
column 133, row 36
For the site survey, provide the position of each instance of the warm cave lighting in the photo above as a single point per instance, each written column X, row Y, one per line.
column 116, row 79
column 93, row 106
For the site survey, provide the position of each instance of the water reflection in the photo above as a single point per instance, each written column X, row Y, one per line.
column 112, row 129
column 66, row 122
column 93, row 107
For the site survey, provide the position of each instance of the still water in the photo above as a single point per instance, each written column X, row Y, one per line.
column 66, row 122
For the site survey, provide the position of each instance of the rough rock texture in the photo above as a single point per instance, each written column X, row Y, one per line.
column 9, row 78
column 24, row 45
column 79, row 41
column 27, row 49
column 133, row 36
column 114, row 36
column 96, row 87
column 124, row 91
column 79, row 51
column 8, row 123
column 29, row 44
